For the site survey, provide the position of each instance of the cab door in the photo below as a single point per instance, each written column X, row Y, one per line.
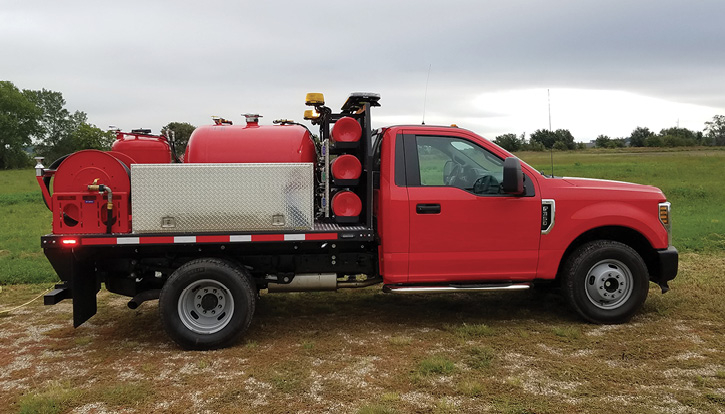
column 462, row 227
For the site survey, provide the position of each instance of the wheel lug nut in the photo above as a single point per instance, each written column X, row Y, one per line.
column 206, row 290
column 198, row 296
column 220, row 306
column 221, row 298
column 213, row 312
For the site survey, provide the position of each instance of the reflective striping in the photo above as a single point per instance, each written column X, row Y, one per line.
column 98, row 241
column 184, row 239
column 267, row 237
column 212, row 239
column 291, row 237
column 243, row 238
column 157, row 240
column 321, row 236
column 236, row 238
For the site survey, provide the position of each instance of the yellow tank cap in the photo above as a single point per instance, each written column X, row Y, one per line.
column 314, row 98
column 454, row 126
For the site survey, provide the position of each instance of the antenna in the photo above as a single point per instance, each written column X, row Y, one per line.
column 425, row 97
column 551, row 150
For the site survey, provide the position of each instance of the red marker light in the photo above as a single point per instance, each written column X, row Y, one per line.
column 69, row 242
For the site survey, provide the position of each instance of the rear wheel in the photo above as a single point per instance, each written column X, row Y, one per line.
column 605, row 281
column 207, row 303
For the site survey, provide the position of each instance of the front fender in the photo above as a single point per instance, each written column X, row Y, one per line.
column 576, row 218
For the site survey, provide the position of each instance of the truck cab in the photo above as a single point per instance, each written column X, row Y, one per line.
column 455, row 209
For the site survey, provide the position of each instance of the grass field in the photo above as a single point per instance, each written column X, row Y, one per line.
column 365, row 352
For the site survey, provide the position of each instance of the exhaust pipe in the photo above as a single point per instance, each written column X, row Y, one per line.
column 318, row 282
column 142, row 297
column 306, row 282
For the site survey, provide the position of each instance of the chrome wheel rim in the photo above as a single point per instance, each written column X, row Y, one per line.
column 206, row 306
column 609, row 284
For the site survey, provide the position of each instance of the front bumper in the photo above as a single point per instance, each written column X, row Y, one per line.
column 667, row 262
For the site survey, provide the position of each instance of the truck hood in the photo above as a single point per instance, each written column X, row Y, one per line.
column 610, row 185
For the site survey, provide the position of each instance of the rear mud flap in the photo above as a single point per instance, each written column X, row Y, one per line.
column 84, row 289
column 79, row 284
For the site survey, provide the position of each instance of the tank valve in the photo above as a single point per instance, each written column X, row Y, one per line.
column 109, row 205
column 252, row 119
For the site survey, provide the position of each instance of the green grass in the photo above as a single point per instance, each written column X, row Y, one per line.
column 55, row 397
column 435, row 365
column 23, row 219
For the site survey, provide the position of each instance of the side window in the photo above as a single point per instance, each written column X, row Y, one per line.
column 455, row 162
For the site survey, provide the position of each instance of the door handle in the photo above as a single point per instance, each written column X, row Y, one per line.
column 428, row 208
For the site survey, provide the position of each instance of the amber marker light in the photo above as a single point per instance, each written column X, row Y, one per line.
column 664, row 214
column 314, row 98
column 311, row 114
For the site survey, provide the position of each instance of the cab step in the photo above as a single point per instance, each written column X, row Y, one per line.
column 454, row 288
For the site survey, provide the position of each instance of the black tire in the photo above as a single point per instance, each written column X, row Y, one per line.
column 207, row 304
column 605, row 281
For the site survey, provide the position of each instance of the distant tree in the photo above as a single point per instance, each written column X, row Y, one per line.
column 602, row 141
column 549, row 139
column 715, row 129
column 678, row 137
column 654, row 141
column 58, row 132
column 181, row 131
column 544, row 137
column 638, row 137
column 509, row 142
column 89, row 136
column 18, row 123
column 618, row 143
column 565, row 137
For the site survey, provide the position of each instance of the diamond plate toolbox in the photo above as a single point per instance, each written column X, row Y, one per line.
column 180, row 198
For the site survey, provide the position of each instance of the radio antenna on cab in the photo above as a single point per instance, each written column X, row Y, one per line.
column 425, row 97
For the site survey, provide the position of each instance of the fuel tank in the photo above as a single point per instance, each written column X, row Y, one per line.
column 251, row 143
column 142, row 147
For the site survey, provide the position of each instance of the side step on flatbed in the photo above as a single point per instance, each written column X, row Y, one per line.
column 409, row 289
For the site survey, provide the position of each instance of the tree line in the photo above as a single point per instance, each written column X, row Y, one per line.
column 562, row 139
column 36, row 123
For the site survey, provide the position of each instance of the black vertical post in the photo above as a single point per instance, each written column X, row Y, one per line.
column 368, row 154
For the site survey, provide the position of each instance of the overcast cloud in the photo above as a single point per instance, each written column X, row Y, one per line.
column 609, row 65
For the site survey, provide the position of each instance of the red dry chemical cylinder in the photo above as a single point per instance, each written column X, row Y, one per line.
column 346, row 130
column 346, row 167
column 346, row 204
column 250, row 143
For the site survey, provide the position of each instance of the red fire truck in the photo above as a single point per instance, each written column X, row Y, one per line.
column 415, row 208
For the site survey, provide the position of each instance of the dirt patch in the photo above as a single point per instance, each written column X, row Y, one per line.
column 517, row 352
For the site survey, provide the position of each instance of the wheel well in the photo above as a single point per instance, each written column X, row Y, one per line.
column 624, row 235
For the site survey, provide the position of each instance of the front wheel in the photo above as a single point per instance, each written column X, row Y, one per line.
column 207, row 304
column 605, row 281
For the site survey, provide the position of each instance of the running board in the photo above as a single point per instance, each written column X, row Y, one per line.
column 403, row 289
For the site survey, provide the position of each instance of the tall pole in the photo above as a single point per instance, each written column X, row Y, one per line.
column 551, row 150
column 548, row 96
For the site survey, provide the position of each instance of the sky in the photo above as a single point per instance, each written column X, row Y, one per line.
column 494, row 67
